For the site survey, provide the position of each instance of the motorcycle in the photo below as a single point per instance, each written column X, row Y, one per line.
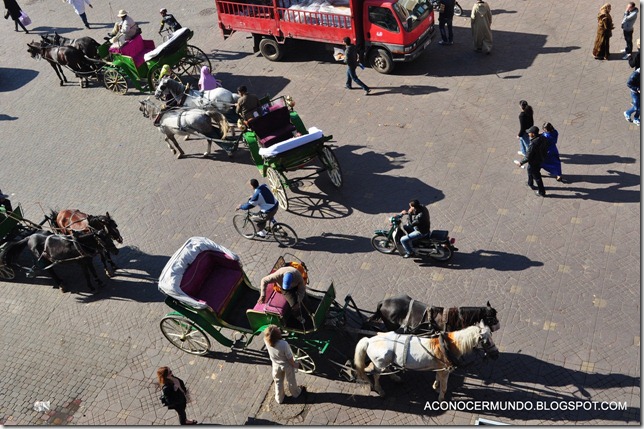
column 458, row 10
column 437, row 246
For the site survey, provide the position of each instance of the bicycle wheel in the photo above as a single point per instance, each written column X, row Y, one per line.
column 284, row 234
column 244, row 226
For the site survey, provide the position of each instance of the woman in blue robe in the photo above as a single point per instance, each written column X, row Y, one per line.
column 552, row 163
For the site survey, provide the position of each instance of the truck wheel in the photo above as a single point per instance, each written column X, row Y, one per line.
column 271, row 50
column 381, row 61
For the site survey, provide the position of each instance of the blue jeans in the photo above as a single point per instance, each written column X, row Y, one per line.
column 351, row 75
column 449, row 35
column 635, row 108
column 524, row 140
column 408, row 239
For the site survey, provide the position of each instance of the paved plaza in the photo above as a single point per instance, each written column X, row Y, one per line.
column 562, row 271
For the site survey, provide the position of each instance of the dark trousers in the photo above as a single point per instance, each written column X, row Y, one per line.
column 351, row 75
column 181, row 411
column 262, row 218
column 83, row 16
column 18, row 23
column 449, row 36
column 534, row 175
column 628, row 36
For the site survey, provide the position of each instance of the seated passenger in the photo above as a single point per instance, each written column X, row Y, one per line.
column 124, row 30
column 207, row 81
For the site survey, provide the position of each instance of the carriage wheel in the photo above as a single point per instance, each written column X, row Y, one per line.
column 190, row 66
column 307, row 364
column 277, row 188
column 115, row 81
column 284, row 234
column 7, row 273
column 153, row 79
column 332, row 167
column 185, row 335
column 193, row 51
column 244, row 226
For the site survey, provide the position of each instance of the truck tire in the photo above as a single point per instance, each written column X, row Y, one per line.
column 271, row 50
column 380, row 60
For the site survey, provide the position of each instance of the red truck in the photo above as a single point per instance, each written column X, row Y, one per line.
column 385, row 31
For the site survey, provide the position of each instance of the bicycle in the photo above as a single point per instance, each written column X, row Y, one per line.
column 282, row 233
column 168, row 34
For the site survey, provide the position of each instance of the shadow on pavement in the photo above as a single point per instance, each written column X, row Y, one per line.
column 337, row 243
column 12, row 78
column 490, row 259
column 591, row 159
column 258, row 85
column 613, row 193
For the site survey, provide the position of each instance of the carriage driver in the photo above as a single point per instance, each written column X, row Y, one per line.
column 417, row 227
column 264, row 199
column 5, row 204
column 293, row 287
column 124, row 30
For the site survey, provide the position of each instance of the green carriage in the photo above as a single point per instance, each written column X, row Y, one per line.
column 138, row 62
column 13, row 228
column 279, row 142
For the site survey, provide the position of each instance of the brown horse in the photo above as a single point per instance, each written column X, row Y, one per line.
column 58, row 56
column 69, row 220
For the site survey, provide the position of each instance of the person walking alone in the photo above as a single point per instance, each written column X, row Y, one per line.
column 534, row 158
column 351, row 60
column 174, row 394
column 13, row 11
column 482, row 27
column 630, row 15
column 633, row 84
column 79, row 7
column 601, row 49
column 284, row 365
column 526, row 120
column 445, row 19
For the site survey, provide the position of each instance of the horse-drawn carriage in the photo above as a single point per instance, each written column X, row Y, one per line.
column 139, row 61
column 279, row 142
column 205, row 285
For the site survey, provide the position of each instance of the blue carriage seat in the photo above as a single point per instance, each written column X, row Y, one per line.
column 212, row 278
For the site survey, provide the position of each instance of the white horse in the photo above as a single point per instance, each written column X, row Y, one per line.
column 186, row 122
column 218, row 99
column 422, row 354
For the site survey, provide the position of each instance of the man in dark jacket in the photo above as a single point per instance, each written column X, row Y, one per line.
column 418, row 226
column 445, row 18
column 534, row 158
column 351, row 60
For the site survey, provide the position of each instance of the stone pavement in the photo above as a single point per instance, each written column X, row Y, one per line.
column 563, row 272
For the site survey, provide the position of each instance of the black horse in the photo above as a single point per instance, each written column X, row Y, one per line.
column 58, row 56
column 415, row 317
column 86, row 45
column 48, row 250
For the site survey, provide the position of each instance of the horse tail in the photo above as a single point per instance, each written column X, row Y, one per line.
column 222, row 122
column 359, row 358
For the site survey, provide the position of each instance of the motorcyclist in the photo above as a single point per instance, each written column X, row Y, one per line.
column 418, row 226
column 264, row 199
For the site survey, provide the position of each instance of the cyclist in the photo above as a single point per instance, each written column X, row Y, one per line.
column 169, row 20
column 264, row 199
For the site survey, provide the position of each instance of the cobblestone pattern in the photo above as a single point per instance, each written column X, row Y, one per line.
column 563, row 271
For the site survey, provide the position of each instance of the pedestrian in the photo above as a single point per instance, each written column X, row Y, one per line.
column 445, row 18
column 526, row 120
column 482, row 27
column 630, row 15
column 174, row 394
column 634, row 59
column 14, row 11
column 633, row 84
column 534, row 158
column 79, row 7
column 552, row 163
column 284, row 365
column 601, row 49
column 351, row 60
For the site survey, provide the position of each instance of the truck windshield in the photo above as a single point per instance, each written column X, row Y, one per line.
column 412, row 12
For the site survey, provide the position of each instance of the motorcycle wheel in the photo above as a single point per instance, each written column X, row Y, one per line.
column 383, row 244
column 443, row 253
column 458, row 10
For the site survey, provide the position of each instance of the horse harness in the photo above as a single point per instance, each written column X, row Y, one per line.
column 77, row 245
column 452, row 361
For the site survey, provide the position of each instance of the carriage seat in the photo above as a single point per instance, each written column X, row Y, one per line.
column 292, row 143
column 275, row 303
column 135, row 48
column 273, row 127
column 213, row 279
column 170, row 46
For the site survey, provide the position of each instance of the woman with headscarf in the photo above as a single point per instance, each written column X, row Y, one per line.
column 601, row 49
column 552, row 163
column 207, row 81
column 13, row 11
column 482, row 27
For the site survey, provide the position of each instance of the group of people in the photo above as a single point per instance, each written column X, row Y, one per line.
column 480, row 19
column 605, row 27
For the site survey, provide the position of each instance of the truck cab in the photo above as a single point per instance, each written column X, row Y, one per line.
column 395, row 31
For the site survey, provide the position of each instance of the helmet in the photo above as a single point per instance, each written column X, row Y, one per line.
column 163, row 10
column 287, row 281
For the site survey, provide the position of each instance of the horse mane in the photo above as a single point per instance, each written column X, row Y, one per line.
column 466, row 339
column 453, row 320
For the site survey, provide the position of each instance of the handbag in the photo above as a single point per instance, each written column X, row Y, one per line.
column 24, row 18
